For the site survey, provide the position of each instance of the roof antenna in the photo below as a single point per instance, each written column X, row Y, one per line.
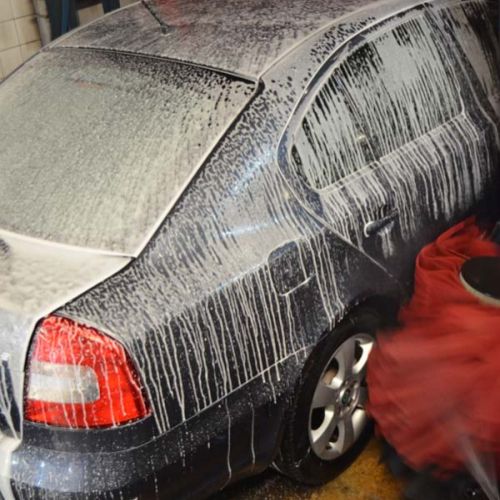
column 164, row 27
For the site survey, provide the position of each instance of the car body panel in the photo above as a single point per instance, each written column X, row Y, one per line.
column 223, row 305
column 253, row 320
column 205, row 283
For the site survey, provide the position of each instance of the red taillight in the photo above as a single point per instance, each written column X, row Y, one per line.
column 80, row 378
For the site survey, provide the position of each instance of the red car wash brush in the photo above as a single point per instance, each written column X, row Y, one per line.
column 435, row 382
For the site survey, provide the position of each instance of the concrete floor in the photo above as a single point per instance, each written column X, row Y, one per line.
column 366, row 479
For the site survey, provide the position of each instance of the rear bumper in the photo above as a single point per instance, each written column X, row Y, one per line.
column 192, row 460
column 46, row 474
column 63, row 464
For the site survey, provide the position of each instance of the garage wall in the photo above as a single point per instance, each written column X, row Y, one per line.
column 21, row 31
column 19, row 35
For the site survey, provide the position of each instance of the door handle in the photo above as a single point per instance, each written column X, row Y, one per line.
column 374, row 227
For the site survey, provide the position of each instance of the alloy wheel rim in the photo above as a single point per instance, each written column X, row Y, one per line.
column 337, row 415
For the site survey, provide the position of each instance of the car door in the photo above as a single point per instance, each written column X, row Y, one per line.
column 386, row 149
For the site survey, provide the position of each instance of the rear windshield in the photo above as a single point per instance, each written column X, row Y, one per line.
column 94, row 146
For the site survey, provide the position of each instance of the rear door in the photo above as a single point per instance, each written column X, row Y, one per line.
column 390, row 150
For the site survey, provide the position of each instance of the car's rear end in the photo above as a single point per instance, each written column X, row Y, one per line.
column 96, row 147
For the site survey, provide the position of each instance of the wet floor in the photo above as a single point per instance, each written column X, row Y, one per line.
column 366, row 479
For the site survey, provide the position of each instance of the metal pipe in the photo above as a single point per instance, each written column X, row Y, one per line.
column 109, row 5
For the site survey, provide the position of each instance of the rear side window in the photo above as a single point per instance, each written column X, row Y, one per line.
column 390, row 91
column 330, row 144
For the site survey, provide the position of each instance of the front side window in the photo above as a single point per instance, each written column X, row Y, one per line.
column 473, row 25
column 389, row 92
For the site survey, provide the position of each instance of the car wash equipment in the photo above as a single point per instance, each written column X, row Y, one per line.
column 435, row 381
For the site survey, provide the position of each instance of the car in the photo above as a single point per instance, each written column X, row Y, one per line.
column 207, row 210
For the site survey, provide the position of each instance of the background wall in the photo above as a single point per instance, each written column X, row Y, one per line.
column 25, row 27
column 19, row 34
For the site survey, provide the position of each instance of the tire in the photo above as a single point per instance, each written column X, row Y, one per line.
column 308, row 453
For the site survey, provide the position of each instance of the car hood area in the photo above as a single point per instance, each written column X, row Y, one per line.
column 97, row 146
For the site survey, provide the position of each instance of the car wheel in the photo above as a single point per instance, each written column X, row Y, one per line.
column 328, row 426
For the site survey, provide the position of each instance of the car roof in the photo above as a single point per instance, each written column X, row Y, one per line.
column 243, row 37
